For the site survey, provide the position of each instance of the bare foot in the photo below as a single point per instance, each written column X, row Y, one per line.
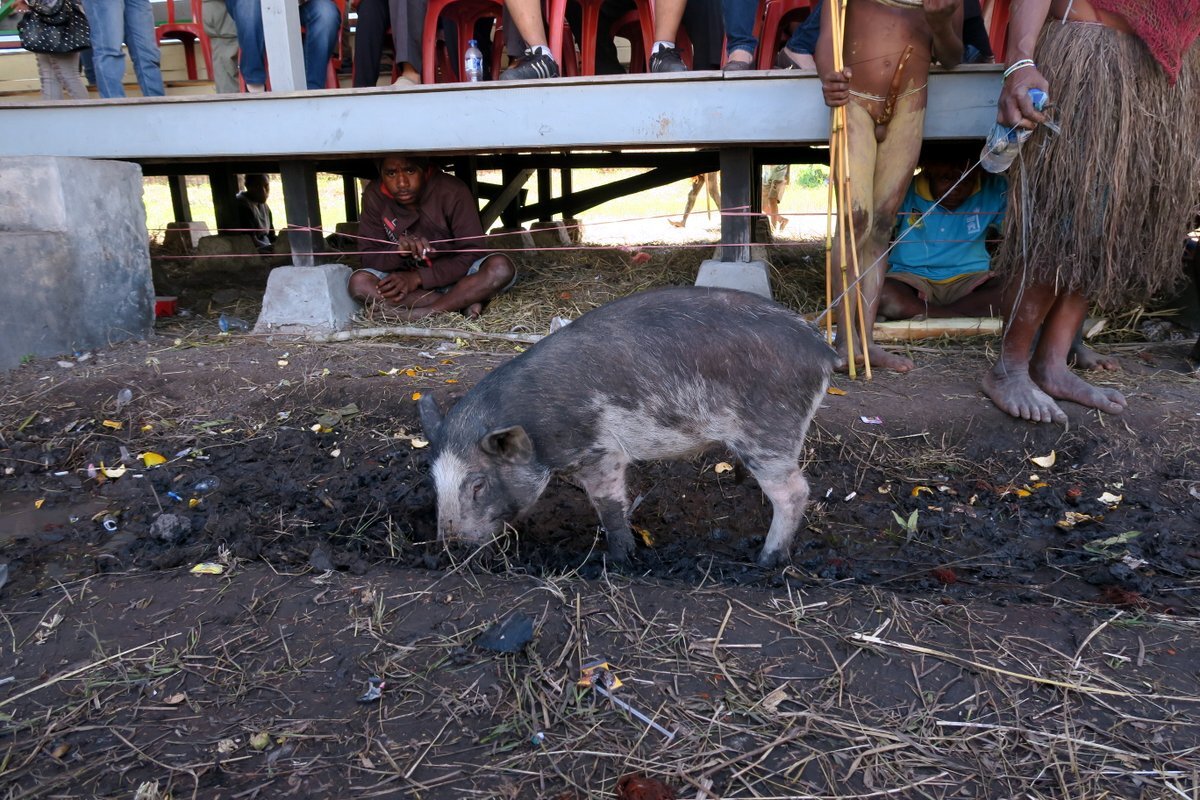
column 1084, row 357
column 474, row 310
column 880, row 359
column 1017, row 395
column 676, row 223
column 1062, row 384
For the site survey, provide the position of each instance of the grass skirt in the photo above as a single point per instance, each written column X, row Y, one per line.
column 1102, row 209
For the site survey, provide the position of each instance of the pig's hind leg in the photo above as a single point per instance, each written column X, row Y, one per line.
column 604, row 482
column 783, row 482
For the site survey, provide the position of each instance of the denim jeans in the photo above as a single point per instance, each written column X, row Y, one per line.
column 131, row 22
column 322, row 23
column 739, row 25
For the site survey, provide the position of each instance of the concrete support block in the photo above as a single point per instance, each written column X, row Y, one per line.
column 548, row 234
column 749, row 276
column 509, row 239
column 75, row 256
column 182, row 238
column 307, row 300
column 227, row 251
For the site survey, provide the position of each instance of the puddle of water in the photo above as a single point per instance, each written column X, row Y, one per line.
column 21, row 518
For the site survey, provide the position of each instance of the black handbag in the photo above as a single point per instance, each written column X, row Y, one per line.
column 54, row 26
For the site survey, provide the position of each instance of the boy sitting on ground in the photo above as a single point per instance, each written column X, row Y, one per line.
column 409, row 208
column 940, row 265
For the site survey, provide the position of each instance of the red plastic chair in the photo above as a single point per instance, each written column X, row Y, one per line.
column 643, row 34
column 995, row 16
column 188, row 31
column 773, row 26
column 462, row 14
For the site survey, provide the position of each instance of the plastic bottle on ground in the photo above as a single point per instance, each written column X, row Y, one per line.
column 473, row 62
column 1004, row 143
column 227, row 323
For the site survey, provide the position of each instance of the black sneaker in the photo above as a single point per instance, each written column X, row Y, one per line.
column 531, row 66
column 667, row 60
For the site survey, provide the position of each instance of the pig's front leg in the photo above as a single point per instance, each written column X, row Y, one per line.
column 604, row 482
column 784, row 484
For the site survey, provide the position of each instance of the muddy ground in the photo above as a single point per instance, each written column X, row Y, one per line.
column 958, row 621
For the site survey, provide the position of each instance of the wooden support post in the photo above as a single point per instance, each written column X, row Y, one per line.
column 737, row 181
column 564, row 180
column 179, row 198
column 466, row 169
column 285, row 58
column 505, row 207
column 303, row 210
column 545, row 192
column 224, row 185
column 350, row 193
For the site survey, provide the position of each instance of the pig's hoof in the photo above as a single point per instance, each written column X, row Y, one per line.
column 620, row 550
column 772, row 559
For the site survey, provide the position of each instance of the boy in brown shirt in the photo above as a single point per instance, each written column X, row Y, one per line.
column 412, row 207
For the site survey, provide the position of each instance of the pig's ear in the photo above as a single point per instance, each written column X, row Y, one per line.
column 508, row 444
column 431, row 417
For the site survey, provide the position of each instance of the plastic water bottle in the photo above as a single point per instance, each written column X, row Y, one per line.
column 473, row 62
column 227, row 323
column 1003, row 143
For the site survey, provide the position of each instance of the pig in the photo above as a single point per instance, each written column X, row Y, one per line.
column 659, row 375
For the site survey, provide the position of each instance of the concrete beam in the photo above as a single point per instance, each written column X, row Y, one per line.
column 698, row 109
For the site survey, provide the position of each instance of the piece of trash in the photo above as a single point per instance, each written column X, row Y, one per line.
column 850, row 497
column 509, row 636
column 187, row 451
column 58, row 749
column 227, row 323
column 153, row 459
column 175, row 496
column 1045, row 462
column 260, row 741
column 375, row 687
column 416, row 396
column 537, row 738
column 871, row 420
column 113, row 472
column 722, row 466
column 114, row 424
column 1111, row 500
column 640, row 257
column 62, row 473
column 208, row 568
column 599, row 676
column 558, row 323
column 124, row 398
column 206, row 485
column 1072, row 518
column 66, row 364
column 636, row 786
column 227, row 746
column 1100, row 546
column 110, row 524
column 175, row 699
column 418, row 443
column 647, row 539
column 39, row 502
column 193, row 502
column 918, row 490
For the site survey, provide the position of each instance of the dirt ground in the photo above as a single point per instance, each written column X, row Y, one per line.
column 958, row 620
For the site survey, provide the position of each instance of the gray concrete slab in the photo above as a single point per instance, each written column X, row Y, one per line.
column 749, row 276
column 307, row 300
column 75, row 256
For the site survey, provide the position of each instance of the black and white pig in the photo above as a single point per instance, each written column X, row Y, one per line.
column 657, row 375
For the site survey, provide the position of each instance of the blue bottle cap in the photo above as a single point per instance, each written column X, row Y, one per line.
column 1039, row 98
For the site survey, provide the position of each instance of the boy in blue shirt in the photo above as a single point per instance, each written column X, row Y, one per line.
column 940, row 266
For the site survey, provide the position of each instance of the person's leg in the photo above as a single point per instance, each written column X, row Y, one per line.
column 107, row 21
column 890, row 164
column 664, row 57
column 1049, row 369
column 740, row 43
column 89, row 68
column 222, row 36
column 693, row 192
column 374, row 17
column 702, row 19
column 322, row 26
column 471, row 293
column 1008, row 382
column 898, row 300
column 408, row 21
column 527, row 18
column 48, row 77
column 68, row 72
column 247, row 18
column 143, row 48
